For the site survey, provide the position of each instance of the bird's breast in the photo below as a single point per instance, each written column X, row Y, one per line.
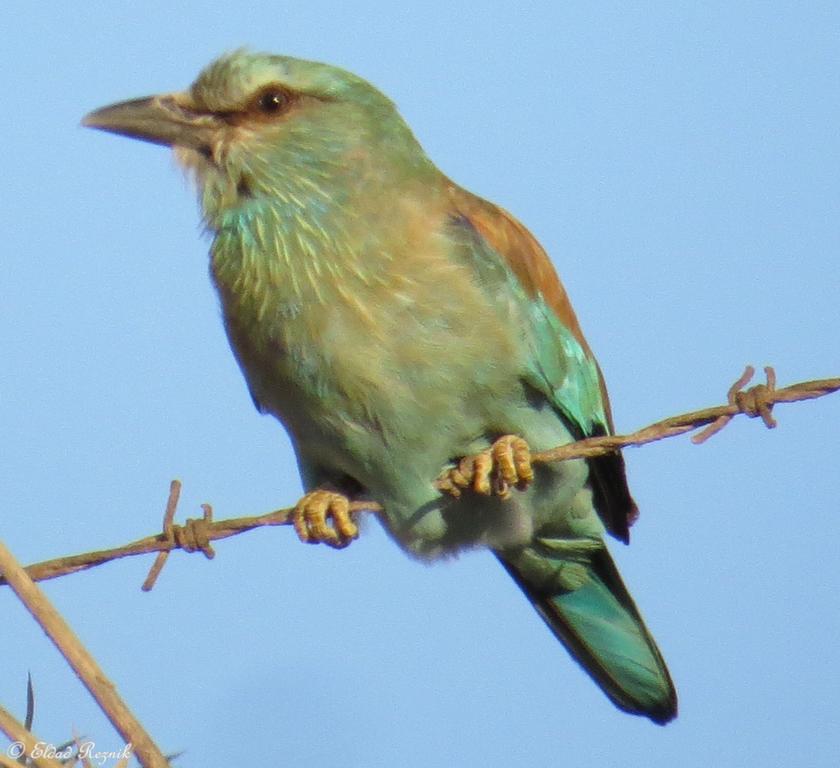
column 386, row 336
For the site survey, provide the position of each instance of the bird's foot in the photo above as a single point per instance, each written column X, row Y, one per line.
column 506, row 465
column 311, row 514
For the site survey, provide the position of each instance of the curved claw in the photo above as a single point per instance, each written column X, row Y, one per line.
column 512, row 459
column 505, row 465
column 312, row 513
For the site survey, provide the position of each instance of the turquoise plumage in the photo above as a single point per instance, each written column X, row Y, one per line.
column 396, row 323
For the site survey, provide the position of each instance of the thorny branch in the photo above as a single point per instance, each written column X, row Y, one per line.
column 21, row 737
column 82, row 663
column 196, row 534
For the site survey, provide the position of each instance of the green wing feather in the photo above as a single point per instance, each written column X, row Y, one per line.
column 578, row 592
column 563, row 368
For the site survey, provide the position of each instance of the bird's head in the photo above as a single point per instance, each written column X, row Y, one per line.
column 257, row 126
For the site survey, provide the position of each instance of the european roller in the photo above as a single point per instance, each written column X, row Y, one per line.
column 413, row 339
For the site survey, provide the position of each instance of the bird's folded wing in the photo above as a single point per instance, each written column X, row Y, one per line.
column 562, row 367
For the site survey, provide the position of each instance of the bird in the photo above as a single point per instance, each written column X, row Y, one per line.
column 413, row 339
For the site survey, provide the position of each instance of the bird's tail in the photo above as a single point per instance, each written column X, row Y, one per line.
column 588, row 608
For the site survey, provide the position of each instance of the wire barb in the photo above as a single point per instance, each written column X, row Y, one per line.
column 755, row 401
column 193, row 536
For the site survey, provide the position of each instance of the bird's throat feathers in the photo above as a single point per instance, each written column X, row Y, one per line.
column 304, row 226
column 240, row 173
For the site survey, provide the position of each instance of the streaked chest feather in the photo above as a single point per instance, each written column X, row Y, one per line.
column 329, row 325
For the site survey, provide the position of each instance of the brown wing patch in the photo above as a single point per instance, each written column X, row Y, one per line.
column 529, row 262
column 536, row 274
column 525, row 255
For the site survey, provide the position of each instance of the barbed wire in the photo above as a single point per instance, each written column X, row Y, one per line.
column 196, row 535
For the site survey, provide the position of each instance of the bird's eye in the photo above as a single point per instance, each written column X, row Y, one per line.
column 272, row 101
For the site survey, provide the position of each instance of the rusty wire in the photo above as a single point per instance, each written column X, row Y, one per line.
column 196, row 534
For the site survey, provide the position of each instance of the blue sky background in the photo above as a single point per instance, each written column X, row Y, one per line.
column 679, row 161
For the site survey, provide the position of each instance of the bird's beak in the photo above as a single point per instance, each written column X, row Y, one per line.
column 170, row 120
